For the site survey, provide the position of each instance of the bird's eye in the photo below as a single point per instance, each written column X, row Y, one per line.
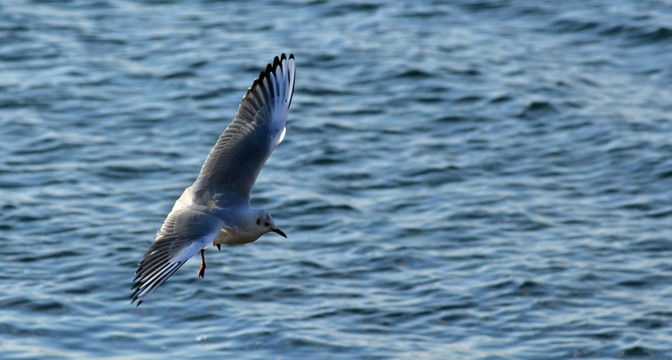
column 265, row 224
column 258, row 221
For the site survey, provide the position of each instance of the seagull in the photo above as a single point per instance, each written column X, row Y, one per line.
column 215, row 209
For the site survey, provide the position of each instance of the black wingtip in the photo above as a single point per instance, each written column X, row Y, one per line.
column 270, row 68
column 135, row 297
column 284, row 57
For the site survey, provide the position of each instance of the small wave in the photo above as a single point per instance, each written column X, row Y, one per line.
column 573, row 25
column 413, row 74
column 179, row 74
column 639, row 352
column 640, row 35
column 537, row 109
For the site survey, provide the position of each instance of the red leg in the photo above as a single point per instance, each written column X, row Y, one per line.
column 201, row 271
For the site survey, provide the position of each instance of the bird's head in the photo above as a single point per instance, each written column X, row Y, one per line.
column 264, row 223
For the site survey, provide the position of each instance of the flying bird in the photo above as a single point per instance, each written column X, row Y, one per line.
column 215, row 209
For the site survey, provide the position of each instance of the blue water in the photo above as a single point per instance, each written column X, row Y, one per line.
column 475, row 180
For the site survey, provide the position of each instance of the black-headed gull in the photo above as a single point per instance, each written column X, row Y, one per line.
column 216, row 209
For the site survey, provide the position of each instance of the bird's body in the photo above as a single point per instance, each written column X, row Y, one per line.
column 236, row 215
column 216, row 209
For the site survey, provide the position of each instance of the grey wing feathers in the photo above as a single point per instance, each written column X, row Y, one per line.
column 184, row 233
column 241, row 151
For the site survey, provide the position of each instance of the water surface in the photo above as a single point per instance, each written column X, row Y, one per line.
column 474, row 180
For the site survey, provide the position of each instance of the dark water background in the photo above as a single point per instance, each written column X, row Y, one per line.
column 460, row 180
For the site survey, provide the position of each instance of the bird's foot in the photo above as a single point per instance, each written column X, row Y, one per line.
column 201, row 271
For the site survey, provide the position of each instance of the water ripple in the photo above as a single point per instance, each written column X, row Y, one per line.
column 483, row 179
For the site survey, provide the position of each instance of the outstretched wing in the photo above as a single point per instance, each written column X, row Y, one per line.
column 259, row 126
column 184, row 233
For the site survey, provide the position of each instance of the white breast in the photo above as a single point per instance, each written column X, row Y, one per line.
column 229, row 236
